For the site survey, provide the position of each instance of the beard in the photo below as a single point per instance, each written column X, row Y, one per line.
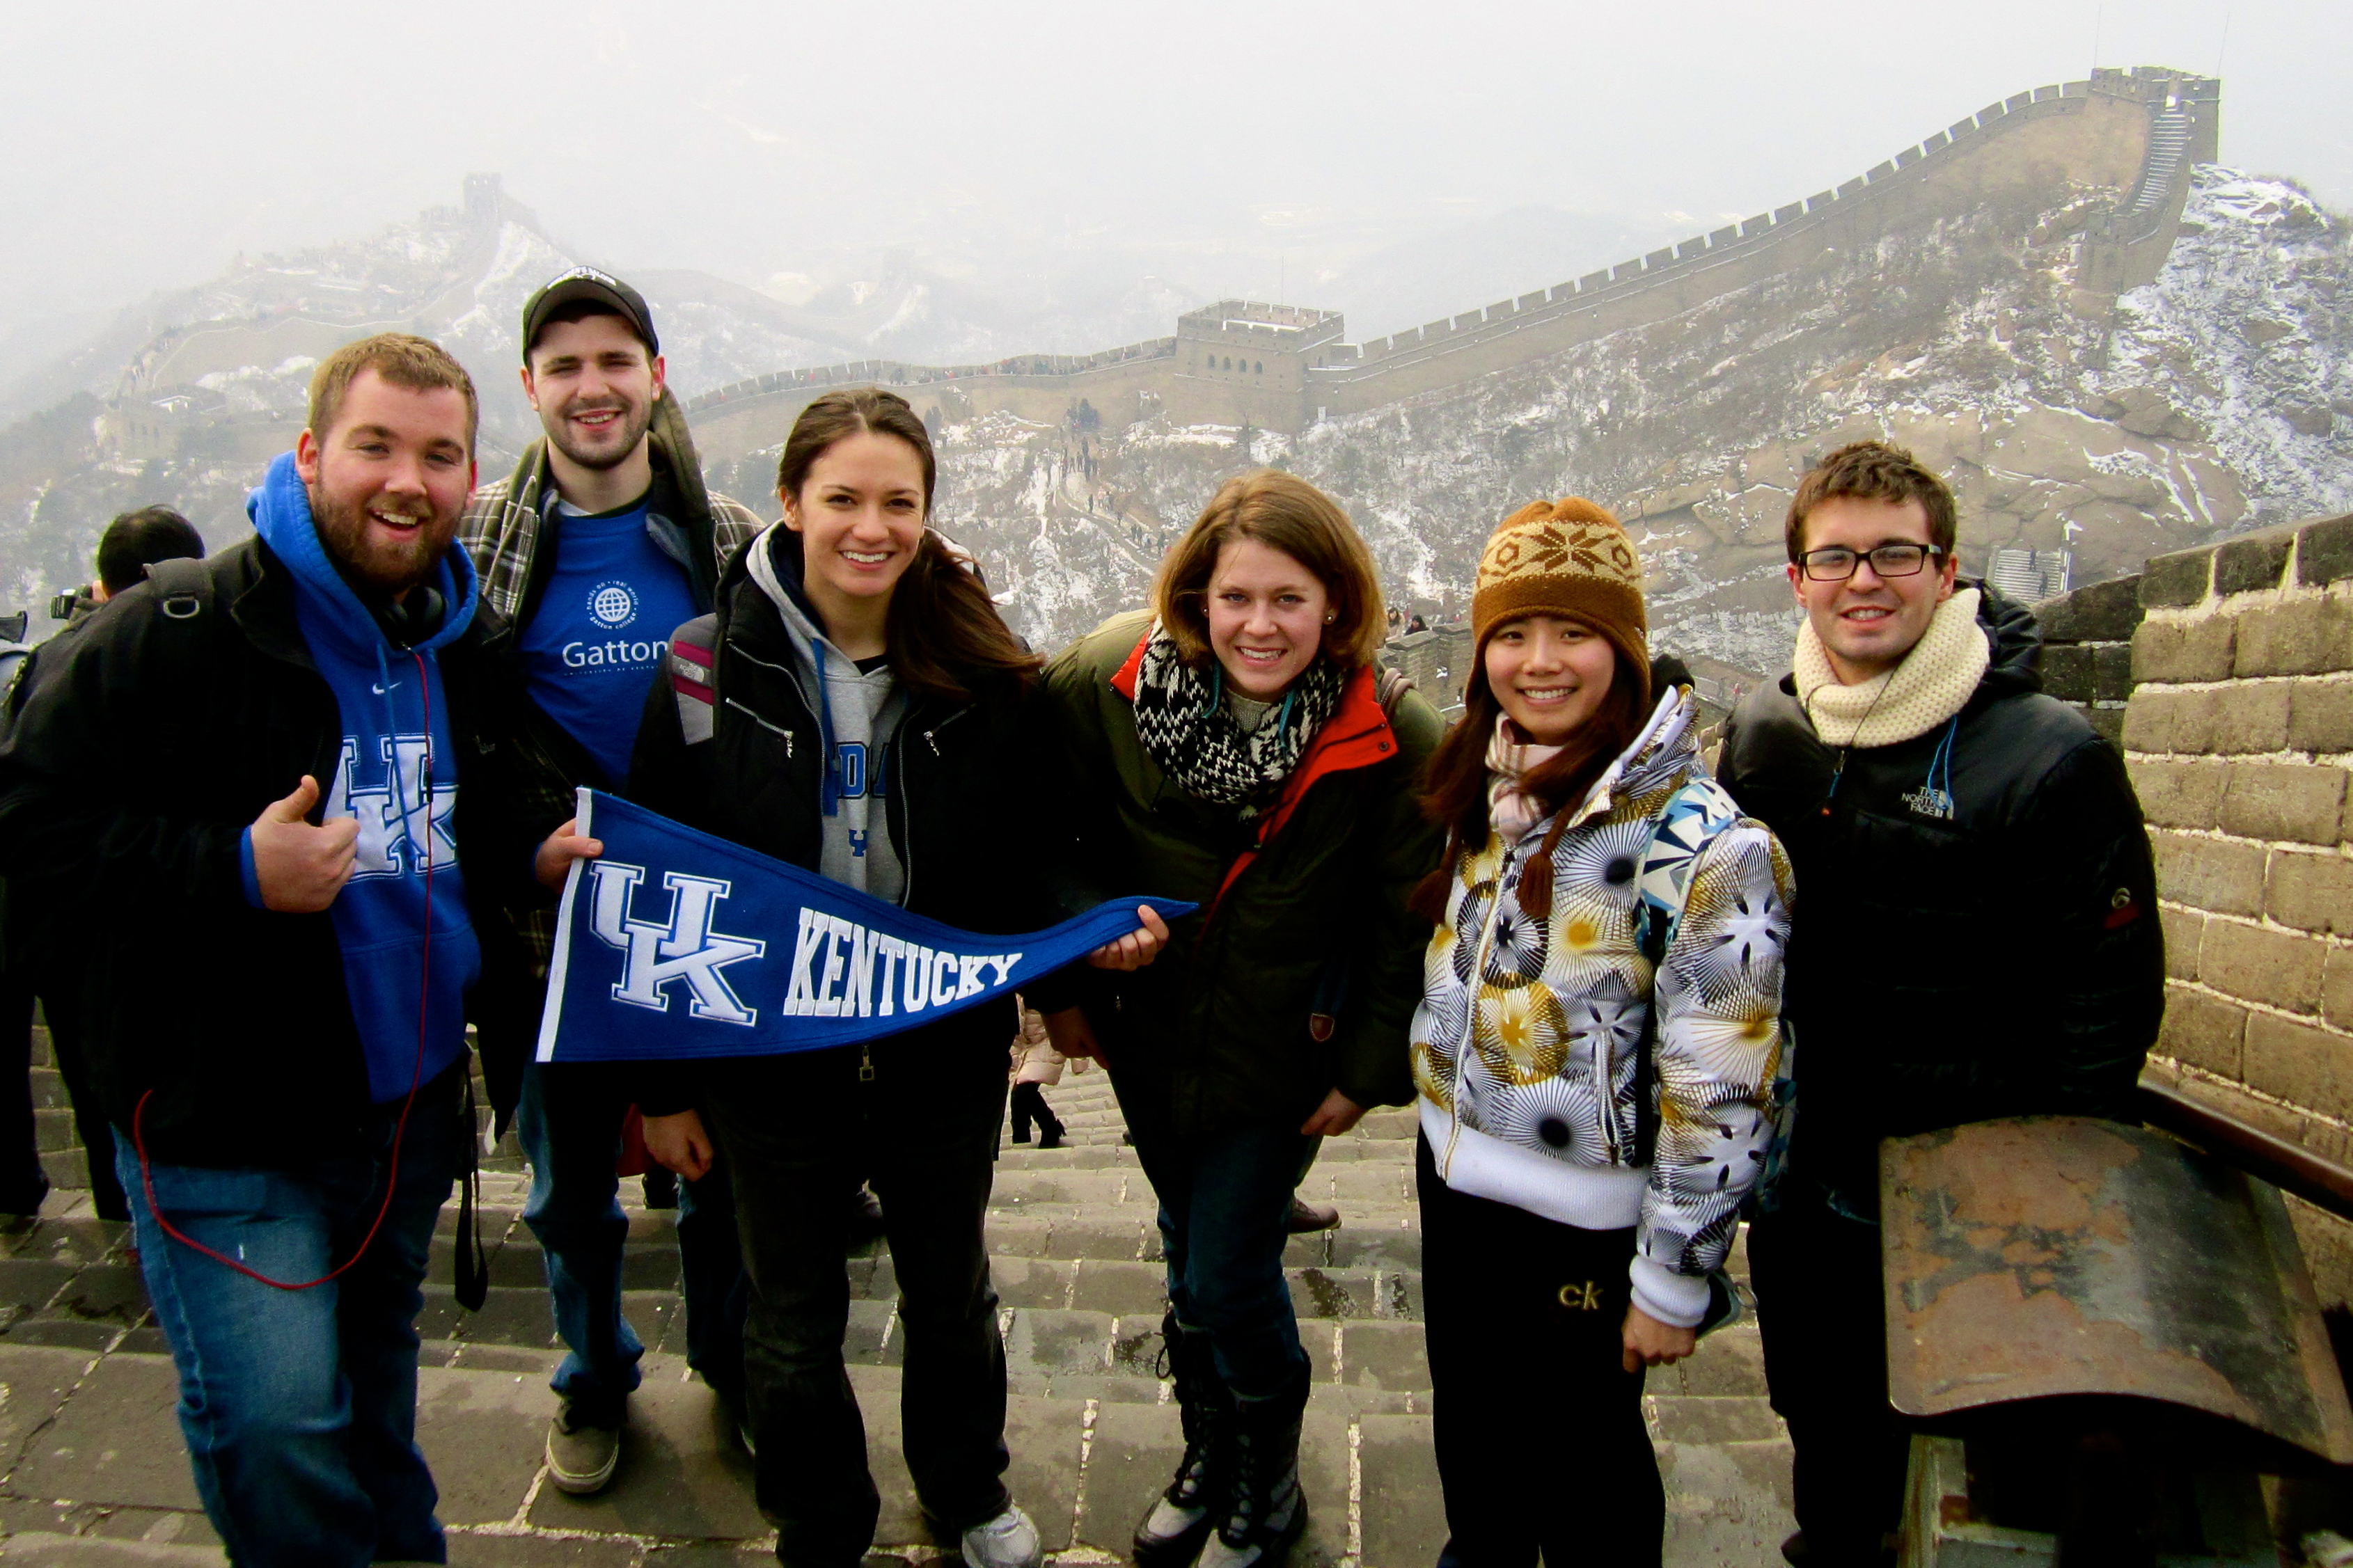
column 387, row 566
column 623, row 436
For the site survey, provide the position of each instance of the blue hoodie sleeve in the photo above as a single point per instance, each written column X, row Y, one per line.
column 252, row 878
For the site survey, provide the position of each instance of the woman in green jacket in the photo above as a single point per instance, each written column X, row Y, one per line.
column 1232, row 747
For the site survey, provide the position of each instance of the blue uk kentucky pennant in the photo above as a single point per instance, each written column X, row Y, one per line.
column 675, row 944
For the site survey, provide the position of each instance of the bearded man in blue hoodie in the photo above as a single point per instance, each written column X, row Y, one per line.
column 262, row 777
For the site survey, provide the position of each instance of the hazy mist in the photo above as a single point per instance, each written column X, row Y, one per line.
column 1256, row 148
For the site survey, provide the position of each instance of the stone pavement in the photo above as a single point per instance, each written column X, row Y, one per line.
column 92, row 1471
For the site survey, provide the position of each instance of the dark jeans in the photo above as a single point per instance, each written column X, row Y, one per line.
column 799, row 1133
column 569, row 1124
column 1820, row 1307
column 1538, row 1425
column 1225, row 1217
column 300, row 1407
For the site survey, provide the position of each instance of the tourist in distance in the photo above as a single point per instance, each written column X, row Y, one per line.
column 1232, row 747
column 1958, row 837
column 601, row 541
column 1595, row 1050
column 265, row 777
column 1036, row 1067
column 856, row 707
column 37, row 964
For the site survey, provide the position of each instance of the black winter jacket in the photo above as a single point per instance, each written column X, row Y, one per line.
column 962, row 800
column 1220, row 1030
column 135, row 763
column 2005, row 962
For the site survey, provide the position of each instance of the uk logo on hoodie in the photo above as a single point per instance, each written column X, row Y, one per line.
column 399, row 826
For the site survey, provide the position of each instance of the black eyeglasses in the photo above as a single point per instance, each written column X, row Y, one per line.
column 1836, row 565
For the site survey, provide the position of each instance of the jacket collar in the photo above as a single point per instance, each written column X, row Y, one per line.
column 1357, row 735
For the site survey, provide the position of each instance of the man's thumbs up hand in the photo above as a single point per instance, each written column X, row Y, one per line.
column 300, row 868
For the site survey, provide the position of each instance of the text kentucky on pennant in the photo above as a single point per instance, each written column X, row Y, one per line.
column 678, row 944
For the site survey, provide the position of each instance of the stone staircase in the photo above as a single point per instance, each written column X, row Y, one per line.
column 92, row 1471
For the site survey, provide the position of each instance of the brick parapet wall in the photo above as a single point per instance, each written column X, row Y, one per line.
column 2087, row 638
column 2239, row 735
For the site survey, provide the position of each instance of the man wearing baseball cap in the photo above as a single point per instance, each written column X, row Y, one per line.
column 602, row 540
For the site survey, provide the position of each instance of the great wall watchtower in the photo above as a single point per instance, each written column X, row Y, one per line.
column 2124, row 137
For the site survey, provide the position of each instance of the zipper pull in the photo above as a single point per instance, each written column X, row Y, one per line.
column 934, row 745
column 865, row 1065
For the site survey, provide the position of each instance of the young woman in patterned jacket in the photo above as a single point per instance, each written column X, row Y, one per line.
column 1599, row 1034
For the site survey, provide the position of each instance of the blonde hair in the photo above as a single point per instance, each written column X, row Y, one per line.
column 1282, row 511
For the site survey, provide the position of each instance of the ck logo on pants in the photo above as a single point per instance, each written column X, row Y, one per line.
column 683, row 947
column 393, row 816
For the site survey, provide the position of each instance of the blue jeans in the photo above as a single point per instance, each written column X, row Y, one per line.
column 1225, row 1217
column 569, row 1124
column 300, row 1407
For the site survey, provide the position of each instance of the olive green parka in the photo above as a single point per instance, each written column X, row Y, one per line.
column 1303, row 910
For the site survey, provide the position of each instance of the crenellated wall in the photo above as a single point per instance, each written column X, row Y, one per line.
column 2127, row 136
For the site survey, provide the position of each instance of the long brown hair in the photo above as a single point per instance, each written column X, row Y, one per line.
column 1282, row 511
column 1454, row 786
column 941, row 626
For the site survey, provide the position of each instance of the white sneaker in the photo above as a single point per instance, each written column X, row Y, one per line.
column 1008, row 1541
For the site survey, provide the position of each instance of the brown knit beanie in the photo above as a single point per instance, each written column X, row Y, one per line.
column 1566, row 558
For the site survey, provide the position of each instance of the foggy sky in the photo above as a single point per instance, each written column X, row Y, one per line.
column 1262, row 144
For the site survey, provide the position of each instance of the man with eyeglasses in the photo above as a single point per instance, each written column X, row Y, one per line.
column 1975, row 932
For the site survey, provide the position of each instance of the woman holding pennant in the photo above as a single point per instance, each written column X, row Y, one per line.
column 1236, row 746
column 856, row 707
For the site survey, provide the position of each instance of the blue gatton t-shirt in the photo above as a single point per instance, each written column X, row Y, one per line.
column 602, row 629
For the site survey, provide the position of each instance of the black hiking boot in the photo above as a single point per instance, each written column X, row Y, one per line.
column 1181, row 1516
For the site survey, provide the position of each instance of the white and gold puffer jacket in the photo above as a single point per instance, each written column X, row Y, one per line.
column 1525, row 1048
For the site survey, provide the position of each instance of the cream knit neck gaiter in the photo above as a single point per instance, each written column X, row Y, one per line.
column 1933, row 682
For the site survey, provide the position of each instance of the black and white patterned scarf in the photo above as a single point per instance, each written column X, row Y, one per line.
column 1189, row 728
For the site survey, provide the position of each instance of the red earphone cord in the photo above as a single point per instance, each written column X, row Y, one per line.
column 416, row 1077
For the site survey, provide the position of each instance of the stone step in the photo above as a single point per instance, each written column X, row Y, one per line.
column 96, row 1476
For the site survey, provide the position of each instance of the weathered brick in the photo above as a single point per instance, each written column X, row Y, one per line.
column 2183, row 931
column 2180, row 578
column 2100, row 612
column 2204, row 1031
column 2301, row 802
column 2324, row 552
column 2108, row 724
column 2066, row 670
column 2111, row 676
column 2248, row 717
column 2179, row 794
column 2163, row 718
column 2337, row 988
column 2301, row 1063
column 2209, row 874
column 2277, row 968
column 2320, row 716
column 2184, row 650
column 2301, row 636
column 2311, row 892
column 2252, row 561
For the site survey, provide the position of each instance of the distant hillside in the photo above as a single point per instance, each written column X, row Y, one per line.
column 1974, row 297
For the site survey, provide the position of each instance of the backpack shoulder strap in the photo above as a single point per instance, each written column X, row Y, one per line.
column 694, row 678
column 1391, row 687
column 183, row 588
